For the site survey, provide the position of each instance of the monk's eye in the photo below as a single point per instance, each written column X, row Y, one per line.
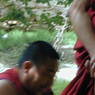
column 50, row 72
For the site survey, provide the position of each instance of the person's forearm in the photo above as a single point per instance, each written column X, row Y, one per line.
column 83, row 28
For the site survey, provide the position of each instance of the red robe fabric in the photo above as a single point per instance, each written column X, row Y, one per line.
column 82, row 84
column 12, row 76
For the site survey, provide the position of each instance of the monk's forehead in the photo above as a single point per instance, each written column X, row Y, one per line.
column 50, row 65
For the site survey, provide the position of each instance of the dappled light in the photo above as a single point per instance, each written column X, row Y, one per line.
column 45, row 45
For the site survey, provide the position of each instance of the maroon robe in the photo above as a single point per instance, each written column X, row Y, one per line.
column 12, row 76
column 82, row 84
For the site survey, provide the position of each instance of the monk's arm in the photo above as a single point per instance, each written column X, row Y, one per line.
column 6, row 88
column 82, row 25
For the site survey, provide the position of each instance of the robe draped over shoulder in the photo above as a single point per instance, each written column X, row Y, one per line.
column 82, row 84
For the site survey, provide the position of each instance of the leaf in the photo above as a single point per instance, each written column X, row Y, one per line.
column 15, row 14
column 29, row 11
column 42, row 1
column 57, row 20
column 44, row 18
column 60, row 2
column 25, row 1
column 68, row 2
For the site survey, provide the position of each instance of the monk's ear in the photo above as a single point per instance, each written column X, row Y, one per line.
column 27, row 65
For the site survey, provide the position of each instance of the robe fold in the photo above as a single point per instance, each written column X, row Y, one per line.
column 82, row 84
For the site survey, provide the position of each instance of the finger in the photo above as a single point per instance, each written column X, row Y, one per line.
column 94, row 75
column 87, row 64
column 92, row 70
column 92, row 60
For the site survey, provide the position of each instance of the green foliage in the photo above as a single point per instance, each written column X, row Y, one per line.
column 28, row 16
column 59, row 86
column 2, row 32
column 18, row 38
column 25, row 1
column 60, row 2
column 4, row 0
column 64, row 2
column 55, row 19
column 68, row 2
column 29, row 11
column 42, row 1
column 45, row 19
column 15, row 14
column 69, row 38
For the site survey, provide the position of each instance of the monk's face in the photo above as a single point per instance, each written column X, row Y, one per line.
column 39, row 77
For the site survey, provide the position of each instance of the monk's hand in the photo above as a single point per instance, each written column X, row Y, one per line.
column 90, row 65
column 78, row 5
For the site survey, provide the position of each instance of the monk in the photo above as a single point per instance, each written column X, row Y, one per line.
column 34, row 74
column 82, row 16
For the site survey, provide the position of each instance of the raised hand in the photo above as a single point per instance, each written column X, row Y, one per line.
column 90, row 65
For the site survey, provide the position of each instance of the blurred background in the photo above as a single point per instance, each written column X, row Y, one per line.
column 24, row 21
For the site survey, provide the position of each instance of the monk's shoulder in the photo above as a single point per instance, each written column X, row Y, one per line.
column 6, row 88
